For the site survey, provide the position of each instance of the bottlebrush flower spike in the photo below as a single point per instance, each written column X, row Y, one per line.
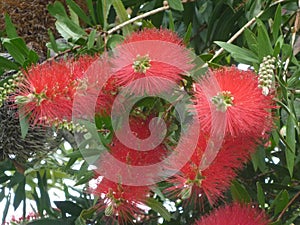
column 235, row 214
column 150, row 54
column 119, row 202
column 237, row 94
column 193, row 185
column 46, row 93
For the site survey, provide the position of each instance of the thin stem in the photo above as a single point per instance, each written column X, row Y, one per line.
column 288, row 205
column 152, row 12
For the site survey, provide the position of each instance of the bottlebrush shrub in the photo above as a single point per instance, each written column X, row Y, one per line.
column 47, row 93
column 235, row 214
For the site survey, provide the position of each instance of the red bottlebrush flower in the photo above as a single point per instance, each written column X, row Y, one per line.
column 158, row 56
column 236, row 94
column 46, row 94
column 235, row 214
column 193, row 183
column 122, row 161
column 119, row 202
column 139, row 127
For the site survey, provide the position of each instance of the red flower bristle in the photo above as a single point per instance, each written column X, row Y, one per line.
column 154, row 34
column 235, row 214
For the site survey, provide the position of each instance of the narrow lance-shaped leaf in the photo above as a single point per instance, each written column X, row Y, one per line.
column 239, row 54
column 239, row 193
column 260, row 195
column 277, row 23
column 159, row 208
column 81, row 14
column 10, row 28
column 122, row 14
column 263, row 40
column 176, row 5
column 290, row 140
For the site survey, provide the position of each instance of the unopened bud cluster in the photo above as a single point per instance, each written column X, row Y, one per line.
column 9, row 87
column 69, row 125
column 266, row 74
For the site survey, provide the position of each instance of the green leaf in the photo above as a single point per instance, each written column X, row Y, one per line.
column 86, row 178
column 123, row 15
column 104, row 6
column 87, row 213
column 159, row 208
column 24, row 123
column 19, row 194
column 91, row 39
column 278, row 46
column 32, row 58
column 176, row 5
column 251, row 40
column 239, row 54
column 114, row 40
column 188, row 34
column 171, row 21
column 3, row 179
column 9, row 27
column 81, row 14
column 290, row 140
column 277, row 22
column 260, row 195
column 68, row 207
column 44, row 199
column 2, row 194
column 73, row 16
column 91, row 10
column 57, row 9
column 53, row 43
column 16, row 179
column 239, row 193
column 281, row 200
column 5, row 210
column 80, row 221
column 7, row 64
column 263, row 41
column 17, row 48
column 258, row 159
column 68, row 29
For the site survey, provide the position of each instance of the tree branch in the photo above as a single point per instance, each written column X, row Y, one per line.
column 152, row 12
